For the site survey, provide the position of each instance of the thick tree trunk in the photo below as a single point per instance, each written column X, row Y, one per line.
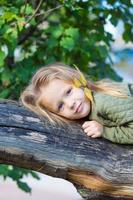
column 65, row 152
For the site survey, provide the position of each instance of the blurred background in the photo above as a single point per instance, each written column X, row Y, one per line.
column 94, row 35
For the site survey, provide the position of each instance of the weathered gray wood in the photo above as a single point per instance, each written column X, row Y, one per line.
column 64, row 151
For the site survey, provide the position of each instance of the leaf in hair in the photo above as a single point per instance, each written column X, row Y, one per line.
column 88, row 94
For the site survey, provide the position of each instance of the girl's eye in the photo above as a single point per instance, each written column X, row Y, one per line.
column 69, row 91
column 60, row 106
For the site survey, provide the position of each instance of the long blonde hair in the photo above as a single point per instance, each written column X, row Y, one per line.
column 31, row 97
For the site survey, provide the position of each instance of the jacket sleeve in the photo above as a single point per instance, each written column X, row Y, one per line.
column 119, row 134
column 119, row 115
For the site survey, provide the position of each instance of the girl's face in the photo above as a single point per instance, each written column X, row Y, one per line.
column 65, row 99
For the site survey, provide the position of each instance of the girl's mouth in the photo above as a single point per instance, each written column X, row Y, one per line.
column 78, row 109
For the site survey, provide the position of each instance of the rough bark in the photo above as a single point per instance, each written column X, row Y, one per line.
column 65, row 152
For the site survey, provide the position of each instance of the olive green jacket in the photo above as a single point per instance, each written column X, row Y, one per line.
column 116, row 114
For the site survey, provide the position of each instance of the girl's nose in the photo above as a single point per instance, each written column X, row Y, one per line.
column 70, row 104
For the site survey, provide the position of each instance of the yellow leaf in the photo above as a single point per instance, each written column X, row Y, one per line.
column 77, row 82
column 88, row 94
column 83, row 79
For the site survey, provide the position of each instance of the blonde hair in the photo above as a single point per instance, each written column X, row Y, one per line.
column 31, row 97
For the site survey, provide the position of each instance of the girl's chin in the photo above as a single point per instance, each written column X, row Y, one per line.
column 85, row 110
column 82, row 115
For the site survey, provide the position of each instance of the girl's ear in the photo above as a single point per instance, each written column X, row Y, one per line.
column 30, row 99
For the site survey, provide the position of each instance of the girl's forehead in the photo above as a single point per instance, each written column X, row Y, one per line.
column 57, row 83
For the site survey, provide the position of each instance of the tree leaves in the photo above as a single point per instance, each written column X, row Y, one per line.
column 102, row 49
column 17, row 175
column 71, row 36
column 67, row 43
column 24, row 186
column 72, row 33
column 128, row 33
column 2, row 57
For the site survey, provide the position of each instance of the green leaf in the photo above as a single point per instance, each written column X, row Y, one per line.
column 52, row 42
column 21, row 23
column 2, row 57
column 92, row 39
column 2, row 21
column 35, row 175
column 6, row 77
column 29, row 9
column 11, row 37
column 4, row 94
column 57, row 31
column 127, row 35
column 67, row 43
column 4, row 169
column 103, row 51
column 2, row 2
column 114, row 20
column 23, row 186
column 73, row 32
column 16, row 174
column 9, row 16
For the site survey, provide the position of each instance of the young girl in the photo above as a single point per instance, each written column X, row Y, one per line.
column 63, row 94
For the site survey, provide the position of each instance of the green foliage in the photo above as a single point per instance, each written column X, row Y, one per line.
column 34, row 33
column 2, row 57
column 65, row 30
column 16, row 174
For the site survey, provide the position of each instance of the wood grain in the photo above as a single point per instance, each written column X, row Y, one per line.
column 64, row 151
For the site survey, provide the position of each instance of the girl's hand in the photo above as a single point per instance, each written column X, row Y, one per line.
column 93, row 128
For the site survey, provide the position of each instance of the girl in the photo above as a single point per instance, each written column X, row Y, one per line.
column 63, row 94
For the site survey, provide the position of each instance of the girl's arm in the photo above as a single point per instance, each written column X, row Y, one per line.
column 117, row 116
column 119, row 126
column 119, row 134
column 93, row 128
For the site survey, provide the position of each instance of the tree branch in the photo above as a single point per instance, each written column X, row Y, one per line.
column 36, row 10
column 65, row 152
column 49, row 11
column 28, row 32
